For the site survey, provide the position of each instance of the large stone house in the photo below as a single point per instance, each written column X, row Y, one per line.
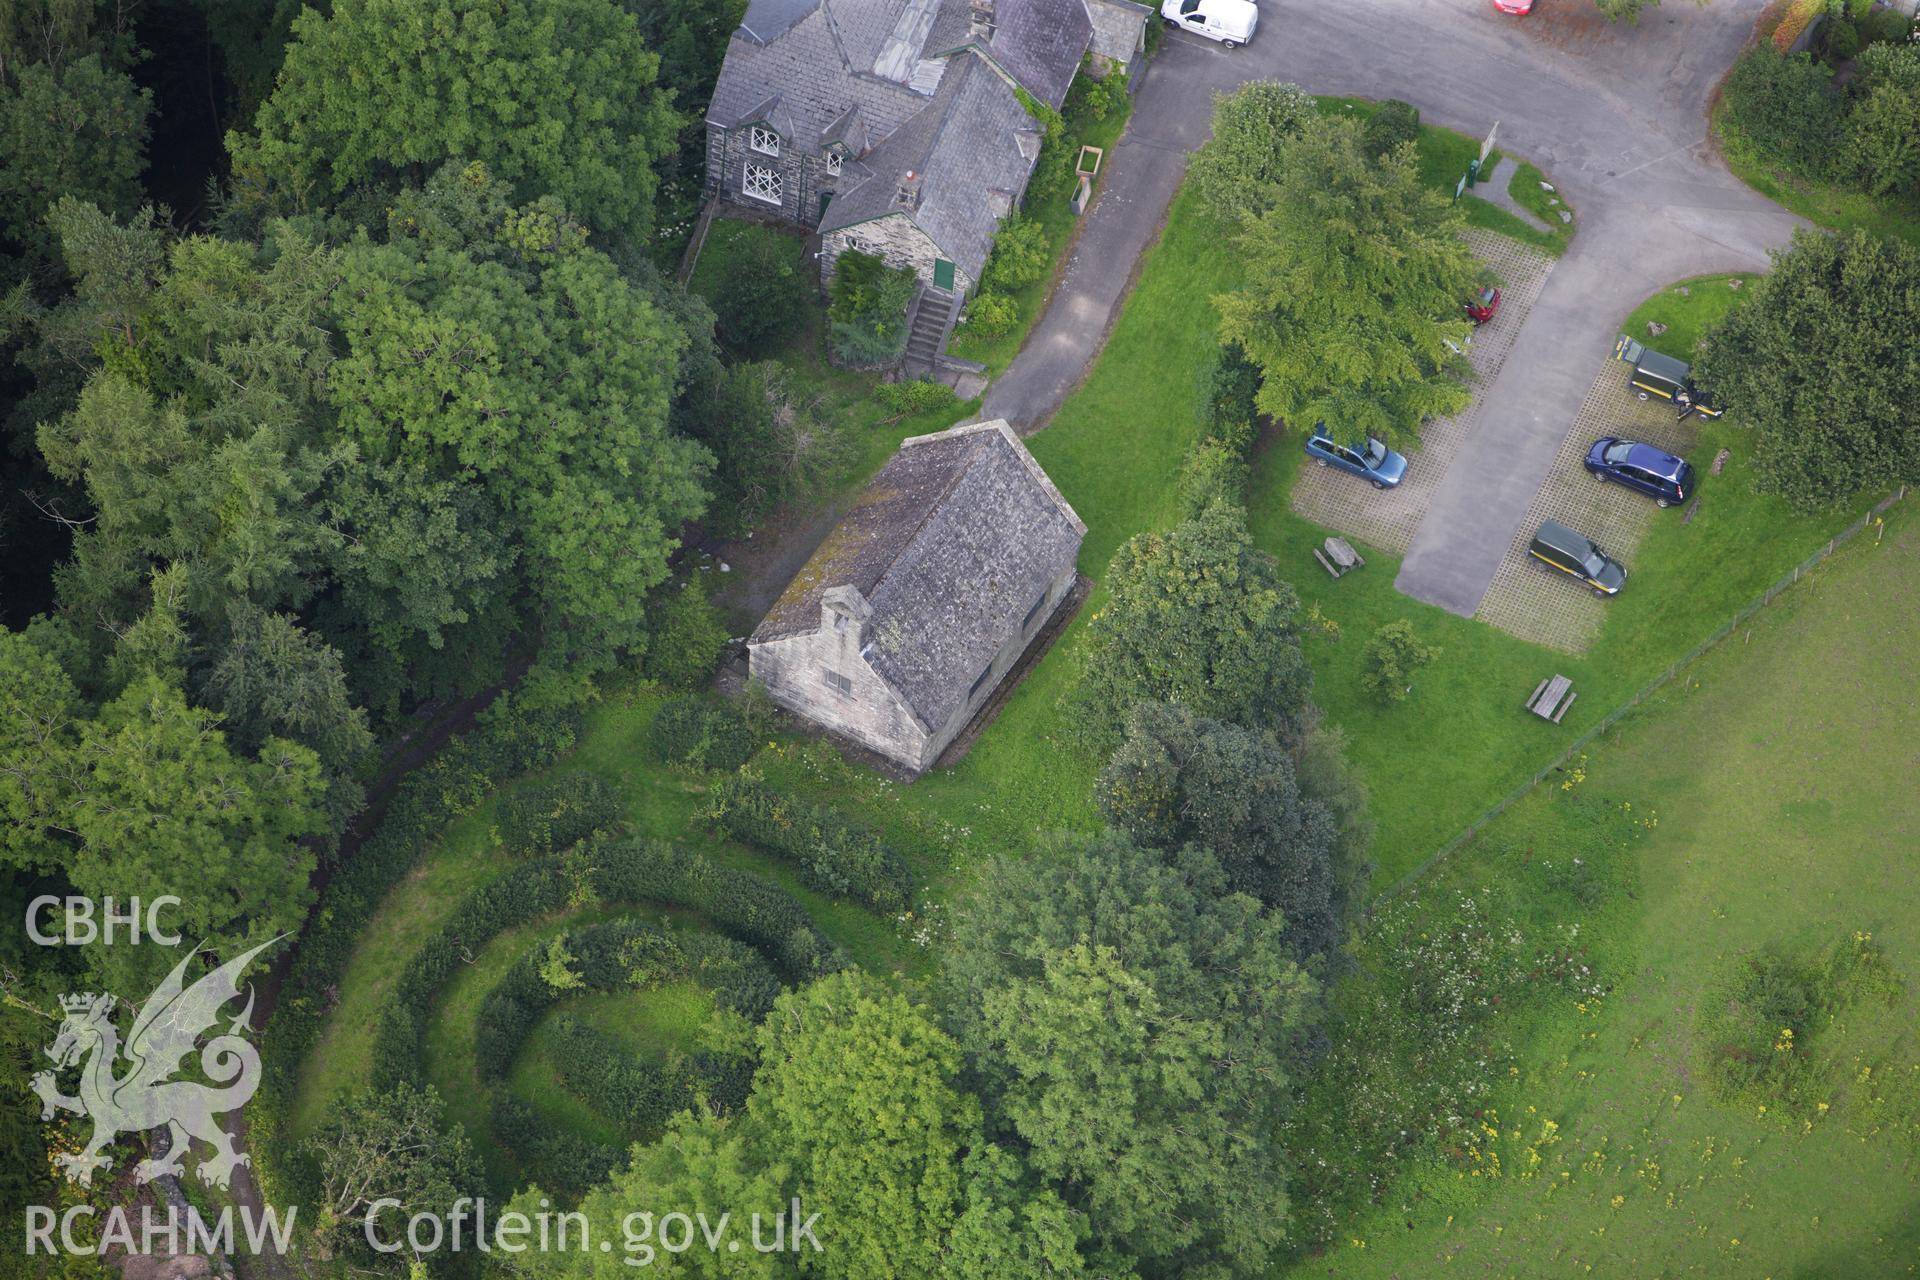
column 897, row 126
column 920, row 601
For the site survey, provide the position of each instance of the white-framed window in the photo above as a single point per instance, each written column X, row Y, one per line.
column 763, row 140
column 763, row 183
column 840, row 684
column 833, row 164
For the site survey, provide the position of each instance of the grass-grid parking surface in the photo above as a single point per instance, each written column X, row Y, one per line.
column 1547, row 607
column 1388, row 518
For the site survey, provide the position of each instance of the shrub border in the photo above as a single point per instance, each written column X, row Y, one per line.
column 454, row 782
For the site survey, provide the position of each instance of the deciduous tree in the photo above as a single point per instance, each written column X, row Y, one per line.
column 394, row 1146
column 1236, row 172
column 78, row 130
column 1180, row 779
column 143, row 798
column 522, row 361
column 1821, row 361
column 1130, row 1020
column 1355, row 272
column 556, row 97
column 1195, row 616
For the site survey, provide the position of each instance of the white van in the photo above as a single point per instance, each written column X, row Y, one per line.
column 1231, row 22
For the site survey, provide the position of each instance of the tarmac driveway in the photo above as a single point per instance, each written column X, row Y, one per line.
column 1615, row 115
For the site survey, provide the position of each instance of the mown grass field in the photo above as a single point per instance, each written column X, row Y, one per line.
column 1778, row 780
column 1689, row 316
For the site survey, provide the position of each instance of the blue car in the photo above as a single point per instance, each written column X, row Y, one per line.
column 1372, row 461
column 1641, row 467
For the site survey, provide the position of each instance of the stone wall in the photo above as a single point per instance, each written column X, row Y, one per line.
column 803, row 177
column 895, row 239
column 1003, row 662
column 794, row 671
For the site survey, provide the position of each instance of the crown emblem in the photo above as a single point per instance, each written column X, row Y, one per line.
column 81, row 1002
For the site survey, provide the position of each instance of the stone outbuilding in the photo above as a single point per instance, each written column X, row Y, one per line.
column 924, row 596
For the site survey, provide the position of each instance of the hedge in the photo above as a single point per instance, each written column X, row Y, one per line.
column 635, row 1095
column 557, row 1160
column 833, row 855
column 553, row 815
column 510, row 741
column 700, row 733
column 614, row 956
column 736, row 902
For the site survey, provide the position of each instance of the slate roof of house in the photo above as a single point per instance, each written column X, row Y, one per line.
column 966, row 145
column 1039, row 43
column 951, row 544
column 1118, row 27
column 909, row 71
column 800, row 64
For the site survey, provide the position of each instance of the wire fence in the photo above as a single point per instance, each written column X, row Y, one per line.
column 1868, row 520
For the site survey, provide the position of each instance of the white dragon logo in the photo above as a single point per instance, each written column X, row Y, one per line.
column 146, row 1097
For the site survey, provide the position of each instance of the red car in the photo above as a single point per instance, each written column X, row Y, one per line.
column 1513, row 6
column 1481, row 306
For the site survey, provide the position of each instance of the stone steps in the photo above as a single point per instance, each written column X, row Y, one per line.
column 929, row 331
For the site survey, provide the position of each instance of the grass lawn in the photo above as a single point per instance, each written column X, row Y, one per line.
column 651, row 1024
column 1524, row 186
column 1780, row 772
column 1063, row 226
column 1688, row 317
column 461, row 861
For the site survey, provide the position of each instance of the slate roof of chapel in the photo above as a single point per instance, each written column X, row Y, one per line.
column 951, row 545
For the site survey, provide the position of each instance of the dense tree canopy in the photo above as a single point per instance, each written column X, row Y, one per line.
column 1130, row 1020
column 556, row 97
column 1881, row 148
column 1180, row 779
column 77, row 130
column 142, row 797
column 859, row 1113
column 1235, row 174
column 1822, row 361
column 1196, row 616
column 491, row 345
column 1355, row 272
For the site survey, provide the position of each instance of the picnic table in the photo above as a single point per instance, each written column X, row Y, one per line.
column 1339, row 557
column 1551, row 698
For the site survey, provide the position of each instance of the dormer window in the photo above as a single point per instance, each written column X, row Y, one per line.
column 833, row 164
column 763, row 140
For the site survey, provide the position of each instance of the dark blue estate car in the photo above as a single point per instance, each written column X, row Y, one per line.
column 1661, row 476
column 1371, row 461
